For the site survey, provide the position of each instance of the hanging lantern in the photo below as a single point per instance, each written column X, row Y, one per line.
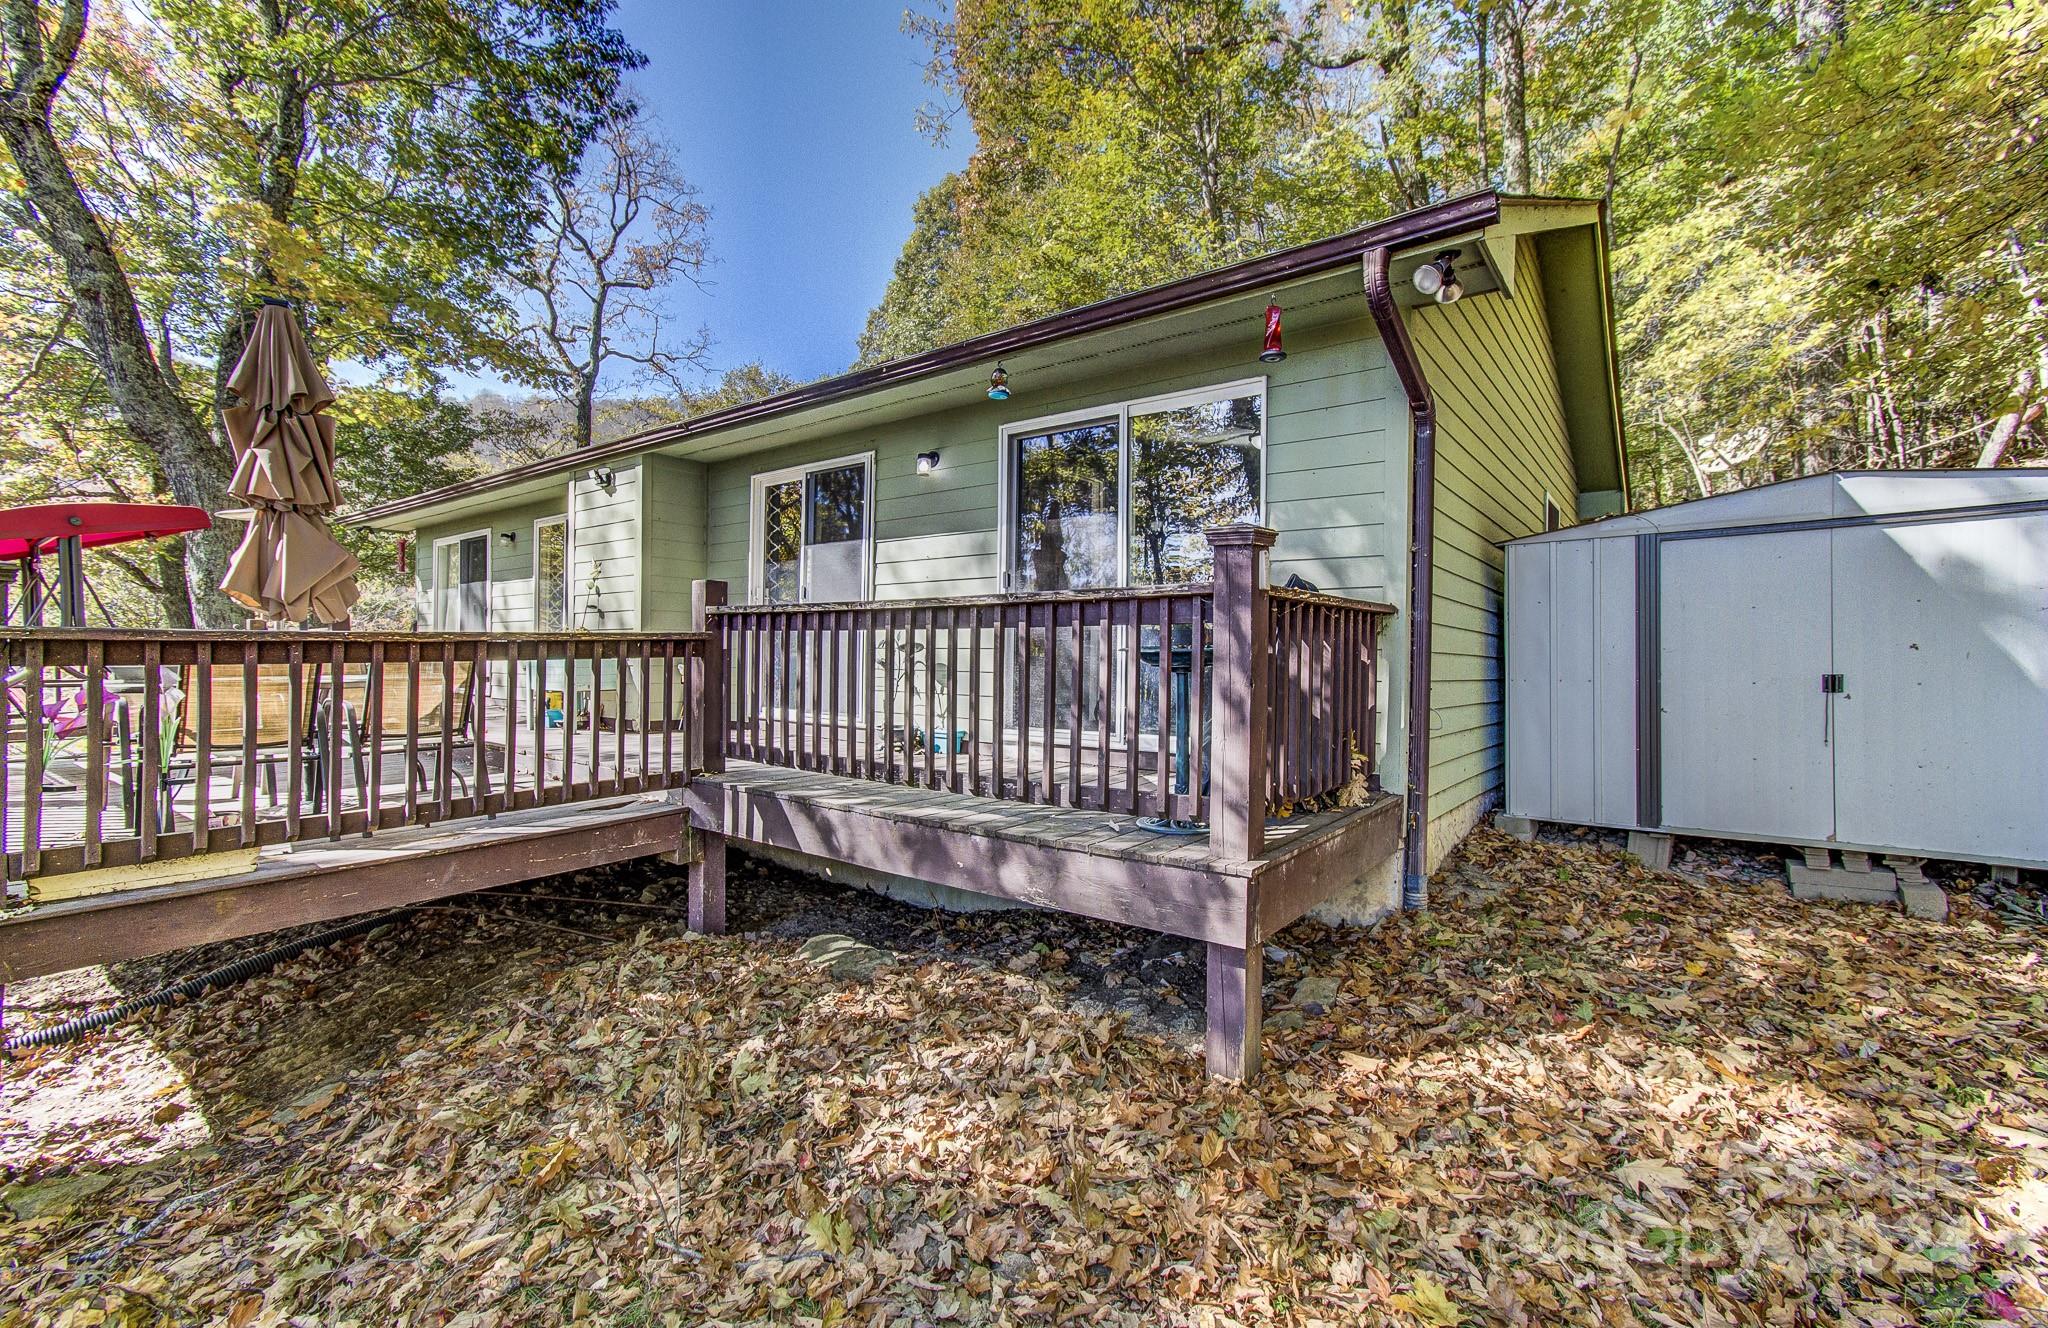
column 998, row 384
column 1272, row 354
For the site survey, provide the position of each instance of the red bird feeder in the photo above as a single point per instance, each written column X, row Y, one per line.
column 1272, row 354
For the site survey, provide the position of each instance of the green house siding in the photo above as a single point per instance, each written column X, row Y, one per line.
column 511, row 565
column 1330, row 424
column 605, row 551
column 1502, row 447
column 673, row 506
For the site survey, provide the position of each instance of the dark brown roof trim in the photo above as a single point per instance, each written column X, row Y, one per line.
column 1419, row 226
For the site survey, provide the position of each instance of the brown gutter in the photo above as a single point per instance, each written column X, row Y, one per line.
column 1379, row 296
column 1420, row 226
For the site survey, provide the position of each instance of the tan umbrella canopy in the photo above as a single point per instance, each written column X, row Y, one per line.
column 288, row 566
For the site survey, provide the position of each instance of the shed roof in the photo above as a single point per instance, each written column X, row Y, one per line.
column 1587, row 371
column 1839, row 496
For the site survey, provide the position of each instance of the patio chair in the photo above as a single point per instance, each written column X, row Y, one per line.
column 457, row 721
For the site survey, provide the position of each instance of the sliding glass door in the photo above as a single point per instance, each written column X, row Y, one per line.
column 811, row 533
column 1121, row 496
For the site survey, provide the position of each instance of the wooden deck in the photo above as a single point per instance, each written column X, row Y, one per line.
column 298, row 884
column 1075, row 860
column 805, row 730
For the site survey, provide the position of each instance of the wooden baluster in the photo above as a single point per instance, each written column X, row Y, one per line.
column 952, row 712
column 931, row 700
column 830, row 714
column 508, row 727
column 885, row 652
column 617, row 650
column 32, row 763
column 1162, row 774
column 860, row 687
column 95, row 748
column 974, row 699
column 1043, row 705
column 668, row 708
column 1133, row 636
column 251, row 667
column 646, row 711
column 596, row 649
column 201, row 703
column 295, row 730
column 998, row 698
column 1074, row 706
column 444, row 782
column 412, row 734
column 1198, row 673
column 1104, row 653
column 336, row 734
column 152, row 745
column 1023, row 668
column 479, row 728
column 373, row 724
column 1237, row 783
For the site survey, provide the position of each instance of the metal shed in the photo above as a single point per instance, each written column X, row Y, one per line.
column 1853, row 663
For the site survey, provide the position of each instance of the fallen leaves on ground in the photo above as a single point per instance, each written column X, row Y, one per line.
column 1573, row 1092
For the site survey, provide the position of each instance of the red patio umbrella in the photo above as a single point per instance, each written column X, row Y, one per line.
column 29, row 533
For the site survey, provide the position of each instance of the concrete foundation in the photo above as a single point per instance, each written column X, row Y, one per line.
column 1859, row 880
column 1520, row 827
column 1651, row 849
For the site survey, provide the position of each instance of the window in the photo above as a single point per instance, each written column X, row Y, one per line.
column 1065, row 483
column 1553, row 516
column 551, row 574
column 1121, row 495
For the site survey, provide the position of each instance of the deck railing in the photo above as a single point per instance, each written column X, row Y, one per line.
column 115, row 746
column 1050, row 699
column 1325, row 694
column 1187, row 703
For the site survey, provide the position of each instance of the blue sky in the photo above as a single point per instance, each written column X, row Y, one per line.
column 796, row 118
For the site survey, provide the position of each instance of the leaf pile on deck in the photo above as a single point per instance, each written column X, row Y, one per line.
column 1577, row 1092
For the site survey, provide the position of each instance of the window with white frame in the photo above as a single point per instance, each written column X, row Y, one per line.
column 1121, row 495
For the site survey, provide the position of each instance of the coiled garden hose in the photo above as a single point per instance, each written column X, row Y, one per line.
column 247, row 967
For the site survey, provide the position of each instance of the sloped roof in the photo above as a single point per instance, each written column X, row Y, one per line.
column 1591, row 392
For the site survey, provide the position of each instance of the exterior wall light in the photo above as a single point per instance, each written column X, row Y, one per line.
column 508, row 537
column 1272, row 353
column 998, row 384
column 603, row 477
column 1438, row 278
column 927, row 462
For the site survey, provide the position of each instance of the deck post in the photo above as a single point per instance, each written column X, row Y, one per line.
column 707, row 884
column 1237, row 743
column 1235, row 1019
column 706, row 675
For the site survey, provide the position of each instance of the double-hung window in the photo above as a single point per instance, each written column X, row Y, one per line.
column 1120, row 496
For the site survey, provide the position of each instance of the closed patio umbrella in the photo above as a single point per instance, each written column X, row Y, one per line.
column 288, row 566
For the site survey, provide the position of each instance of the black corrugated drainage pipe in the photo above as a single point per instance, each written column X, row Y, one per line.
column 247, row 967
column 1379, row 296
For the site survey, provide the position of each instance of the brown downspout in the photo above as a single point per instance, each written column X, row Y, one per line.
column 1379, row 296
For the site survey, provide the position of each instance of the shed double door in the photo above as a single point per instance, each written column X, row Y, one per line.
column 1937, row 739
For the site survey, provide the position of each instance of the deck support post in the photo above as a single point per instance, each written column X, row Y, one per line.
column 1236, row 1022
column 1237, row 743
column 707, row 885
column 705, row 695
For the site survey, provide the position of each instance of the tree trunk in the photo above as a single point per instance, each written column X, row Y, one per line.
column 1481, row 20
column 1514, row 96
column 2027, row 411
column 192, row 460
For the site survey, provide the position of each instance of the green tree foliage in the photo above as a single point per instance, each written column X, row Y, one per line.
column 379, row 163
column 1829, row 217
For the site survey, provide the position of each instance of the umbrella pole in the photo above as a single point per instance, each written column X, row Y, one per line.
column 70, row 583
